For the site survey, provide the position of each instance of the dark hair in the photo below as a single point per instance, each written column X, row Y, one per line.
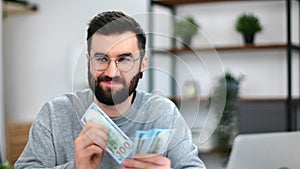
column 115, row 22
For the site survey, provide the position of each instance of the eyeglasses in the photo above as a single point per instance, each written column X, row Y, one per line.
column 124, row 63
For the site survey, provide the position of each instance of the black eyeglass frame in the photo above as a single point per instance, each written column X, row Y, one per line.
column 115, row 61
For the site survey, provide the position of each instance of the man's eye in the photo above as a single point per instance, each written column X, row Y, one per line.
column 101, row 59
column 124, row 59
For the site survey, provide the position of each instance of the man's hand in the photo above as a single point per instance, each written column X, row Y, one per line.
column 90, row 146
column 143, row 161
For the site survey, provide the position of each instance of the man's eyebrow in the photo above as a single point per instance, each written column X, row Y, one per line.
column 126, row 54
column 120, row 55
column 99, row 53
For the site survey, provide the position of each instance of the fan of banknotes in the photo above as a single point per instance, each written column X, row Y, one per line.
column 120, row 146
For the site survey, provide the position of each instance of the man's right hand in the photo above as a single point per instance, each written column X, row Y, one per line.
column 90, row 146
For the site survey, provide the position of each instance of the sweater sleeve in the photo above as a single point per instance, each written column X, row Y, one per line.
column 185, row 155
column 39, row 151
column 182, row 152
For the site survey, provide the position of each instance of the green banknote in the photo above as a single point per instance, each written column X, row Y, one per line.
column 119, row 145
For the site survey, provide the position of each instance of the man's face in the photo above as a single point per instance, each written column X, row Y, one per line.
column 113, row 86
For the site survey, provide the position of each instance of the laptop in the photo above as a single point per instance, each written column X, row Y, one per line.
column 278, row 150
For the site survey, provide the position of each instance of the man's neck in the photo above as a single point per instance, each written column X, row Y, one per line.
column 116, row 110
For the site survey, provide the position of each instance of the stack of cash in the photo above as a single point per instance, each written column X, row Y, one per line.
column 119, row 145
column 152, row 141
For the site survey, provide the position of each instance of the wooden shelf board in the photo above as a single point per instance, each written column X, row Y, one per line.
column 184, row 2
column 199, row 99
column 215, row 151
column 17, row 8
column 242, row 99
column 226, row 48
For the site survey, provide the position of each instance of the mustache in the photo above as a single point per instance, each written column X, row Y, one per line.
column 108, row 79
column 113, row 79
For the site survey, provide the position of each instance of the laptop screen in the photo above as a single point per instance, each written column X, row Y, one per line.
column 266, row 151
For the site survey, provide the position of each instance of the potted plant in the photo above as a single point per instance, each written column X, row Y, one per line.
column 186, row 29
column 248, row 25
column 228, row 126
column 5, row 165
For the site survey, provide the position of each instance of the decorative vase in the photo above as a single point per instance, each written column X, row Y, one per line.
column 190, row 89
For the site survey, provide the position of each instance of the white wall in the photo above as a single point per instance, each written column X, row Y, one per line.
column 37, row 49
column 40, row 48
column 217, row 20
column 264, row 70
column 2, row 114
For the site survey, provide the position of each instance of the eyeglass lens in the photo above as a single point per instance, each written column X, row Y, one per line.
column 123, row 63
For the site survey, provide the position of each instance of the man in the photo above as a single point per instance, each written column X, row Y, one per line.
column 116, row 62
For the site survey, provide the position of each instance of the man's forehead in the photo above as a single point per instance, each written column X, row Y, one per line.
column 113, row 39
column 125, row 42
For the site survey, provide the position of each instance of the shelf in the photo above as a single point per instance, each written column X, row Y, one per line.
column 242, row 99
column 172, row 6
column 184, row 2
column 193, row 100
column 215, row 151
column 226, row 48
column 17, row 7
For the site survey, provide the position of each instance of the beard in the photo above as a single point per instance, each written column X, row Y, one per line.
column 111, row 96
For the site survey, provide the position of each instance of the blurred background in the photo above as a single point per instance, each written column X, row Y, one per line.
column 43, row 50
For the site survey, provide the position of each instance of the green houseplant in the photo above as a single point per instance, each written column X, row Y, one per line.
column 228, row 126
column 5, row 165
column 186, row 29
column 248, row 25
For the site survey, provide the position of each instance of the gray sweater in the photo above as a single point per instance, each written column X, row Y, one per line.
column 52, row 135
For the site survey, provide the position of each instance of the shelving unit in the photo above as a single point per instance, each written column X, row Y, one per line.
column 230, row 48
column 17, row 7
column 291, row 109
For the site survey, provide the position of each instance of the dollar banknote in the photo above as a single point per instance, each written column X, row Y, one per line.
column 119, row 145
column 143, row 140
column 154, row 141
column 160, row 141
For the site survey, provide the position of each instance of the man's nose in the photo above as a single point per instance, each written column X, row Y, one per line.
column 112, row 69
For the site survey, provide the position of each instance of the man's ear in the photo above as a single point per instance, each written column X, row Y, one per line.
column 143, row 66
column 144, row 63
column 87, row 59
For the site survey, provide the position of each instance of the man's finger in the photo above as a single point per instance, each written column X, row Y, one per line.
column 152, row 158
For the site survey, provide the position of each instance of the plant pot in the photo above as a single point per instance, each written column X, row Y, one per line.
column 249, row 38
column 186, row 41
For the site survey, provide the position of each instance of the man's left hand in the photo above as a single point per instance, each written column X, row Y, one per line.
column 142, row 161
